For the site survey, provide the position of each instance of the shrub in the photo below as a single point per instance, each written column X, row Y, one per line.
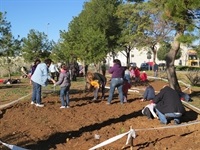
column 194, row 77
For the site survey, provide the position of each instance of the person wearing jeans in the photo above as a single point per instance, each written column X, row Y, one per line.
column 164, row 118
column 117, row 72
column 40, row 78
column 36, row 96
column 65, row 83
column 64, row 93
column 149, row 93
column 116, row 83
column 168, row 105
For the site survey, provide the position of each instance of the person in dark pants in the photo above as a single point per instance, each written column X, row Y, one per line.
column 168, row 105
column 155, row 69
column 97, row 81
column 85, row 70
column 103, row 68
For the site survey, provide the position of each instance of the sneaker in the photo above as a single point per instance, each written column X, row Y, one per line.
column 67, row 107
column 102, row 98
column 39, row 105
column 107, row 103
column 94, row 99
column 176, row 121
column 33, row 103
column 142, row 100
column 62, row 107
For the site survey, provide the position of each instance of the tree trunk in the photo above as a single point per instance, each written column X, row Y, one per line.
column 171, row 71
column 154, row 50
column 128, row 55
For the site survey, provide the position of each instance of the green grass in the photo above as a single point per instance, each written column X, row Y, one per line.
column 14, row 91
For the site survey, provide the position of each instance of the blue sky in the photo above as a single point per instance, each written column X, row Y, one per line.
column 47, row 16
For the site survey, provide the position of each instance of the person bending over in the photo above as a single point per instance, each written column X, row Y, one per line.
column 168, row 105
column 96, row 81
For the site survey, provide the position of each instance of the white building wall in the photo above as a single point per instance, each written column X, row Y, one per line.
column 140, row 56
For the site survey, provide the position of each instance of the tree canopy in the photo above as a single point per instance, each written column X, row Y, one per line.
column 36, row 45
column 9, row 46
column 94, row 33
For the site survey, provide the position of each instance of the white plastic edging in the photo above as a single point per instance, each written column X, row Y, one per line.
column 131, row 133
column 13, row 102
column 12, row 147
column 191, row 105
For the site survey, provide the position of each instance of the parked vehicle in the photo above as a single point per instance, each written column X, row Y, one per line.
column 162, row 66
column 192, row 58
column 133, row 64
column 145, row 66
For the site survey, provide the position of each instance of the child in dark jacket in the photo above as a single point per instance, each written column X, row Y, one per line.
column 96, row 81
column 65, row 83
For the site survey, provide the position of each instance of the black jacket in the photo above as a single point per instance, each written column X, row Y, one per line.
column 101, row 79
column 168, row 101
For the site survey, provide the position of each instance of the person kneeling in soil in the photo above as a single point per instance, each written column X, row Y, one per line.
column 65, row 83
column 168, row 105
column 149, row 93
column 96, row 81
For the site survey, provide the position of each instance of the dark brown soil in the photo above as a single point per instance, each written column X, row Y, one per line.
column 50, row 127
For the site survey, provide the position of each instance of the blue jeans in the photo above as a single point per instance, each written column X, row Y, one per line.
column 163, row 117
column 64, row 94
column 116, row 83
column 36, row 95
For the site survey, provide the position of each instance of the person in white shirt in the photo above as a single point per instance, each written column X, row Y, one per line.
column 54, row 71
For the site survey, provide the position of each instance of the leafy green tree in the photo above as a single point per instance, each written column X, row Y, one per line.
column 57, row 54
column 94, row 33
column 133, row 26
column 36, row 45
column 9, row 46
column 181, row 16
